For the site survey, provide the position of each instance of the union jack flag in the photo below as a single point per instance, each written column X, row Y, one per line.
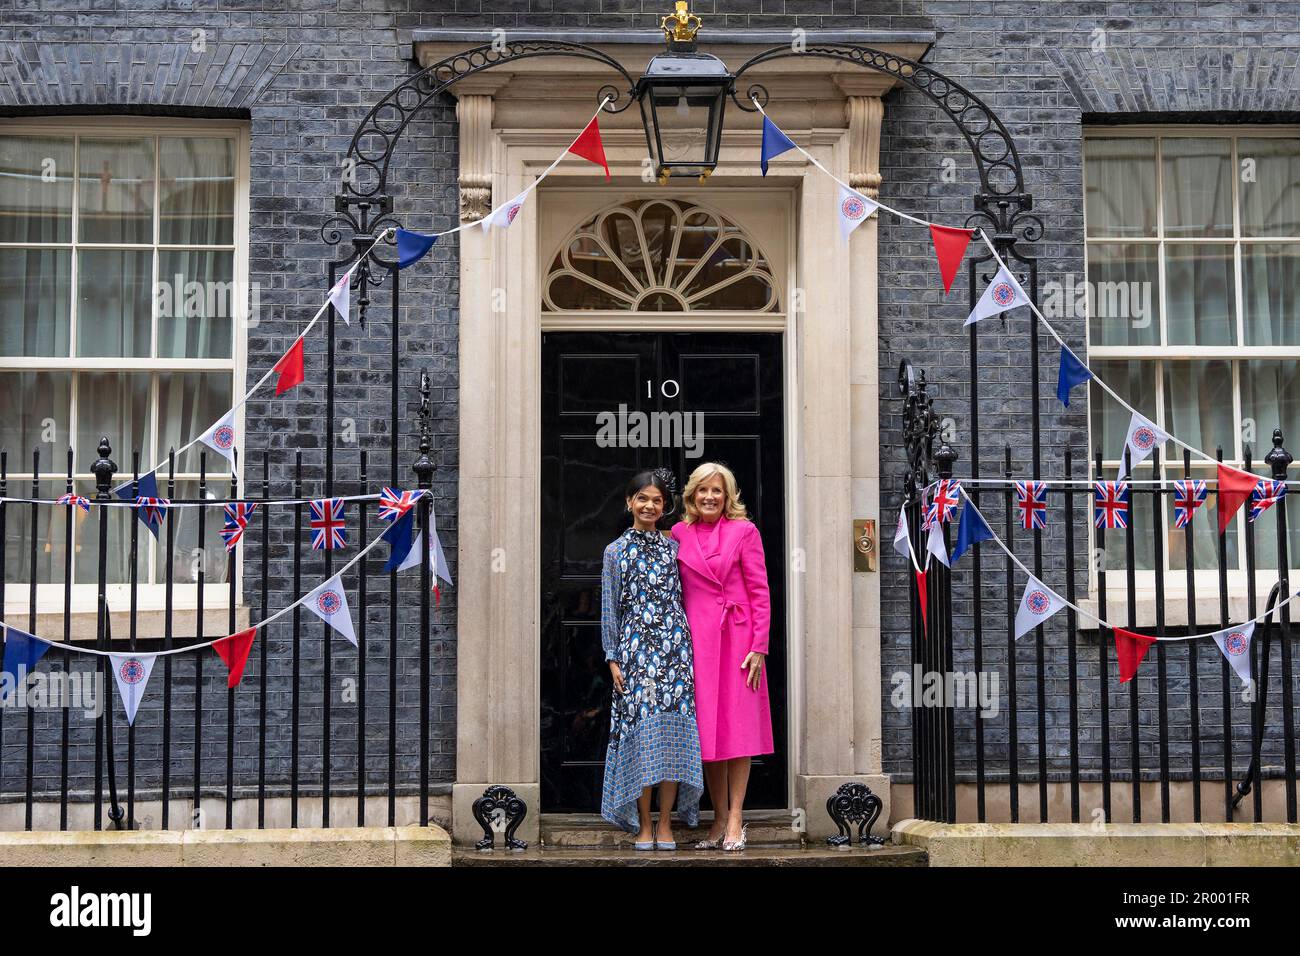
column 1267, row 493
column 327, row 524
column 1188, row 496
column 152, row 510
column 947, row 495
column 1031, row 496
column 71, row 499
column 1110, row 505
column 237, row 515
column 394, row 503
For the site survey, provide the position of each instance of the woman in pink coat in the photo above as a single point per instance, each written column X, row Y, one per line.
column 724, row 590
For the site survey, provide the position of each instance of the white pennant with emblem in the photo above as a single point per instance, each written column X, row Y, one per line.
column 901, row 533
column 855, row 209
column 1142, row 438
column 329, row 602
column 504, row 215
column 1037, row 604
column 1235, row 644
column 437, row 560
column 131, row 672
column 341, row 296
column 934, row 543
column 1003, row 293
column 222, row 437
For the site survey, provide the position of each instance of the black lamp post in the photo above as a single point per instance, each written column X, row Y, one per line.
column 682, row 95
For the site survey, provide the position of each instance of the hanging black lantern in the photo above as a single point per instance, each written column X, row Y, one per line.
column 682, row 94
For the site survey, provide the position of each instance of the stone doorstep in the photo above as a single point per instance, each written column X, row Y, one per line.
column 333, row 846
column 590, row 831
column 1118, row 844
column 766, row 856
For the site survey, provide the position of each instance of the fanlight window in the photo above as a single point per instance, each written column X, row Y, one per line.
column 660, row 255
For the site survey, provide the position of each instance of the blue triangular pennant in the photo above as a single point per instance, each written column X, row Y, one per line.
column 22, row 651
column 147, row 488
column 775, row 143
column 400, row 534
column 1073, row 372
column 972, row 529
column 412, row 247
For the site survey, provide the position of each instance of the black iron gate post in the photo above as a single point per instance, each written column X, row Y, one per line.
column 934, row 779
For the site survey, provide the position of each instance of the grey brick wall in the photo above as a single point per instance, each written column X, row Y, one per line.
column 306, row 73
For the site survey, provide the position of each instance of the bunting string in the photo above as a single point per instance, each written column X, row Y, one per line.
column 219, row 503
column 784, row 143
column 189, row 648
column 992, row 535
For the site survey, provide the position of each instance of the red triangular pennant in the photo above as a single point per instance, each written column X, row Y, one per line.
column 1235, row 487
column 1130, row 648
column 950, row 248
column 290, row 368
column 921, row 596
column 234, row 651
column 588, row 145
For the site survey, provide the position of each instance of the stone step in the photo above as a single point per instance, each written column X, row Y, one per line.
column 888, row 855
column 589, row 831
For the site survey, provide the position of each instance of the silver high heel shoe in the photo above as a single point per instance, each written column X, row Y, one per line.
column 738, row 844
column 707, row 844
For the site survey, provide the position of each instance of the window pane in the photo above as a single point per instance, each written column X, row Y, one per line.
column 35, row 415
column 1270, row 204
column 188, row 555
column 1197, row 186
column 1270, row 398
column 117, row 186
column 1200, row 294
column 35, row 301
column 113, row 302
column 187, row 404
column 116, row 405
column 1123, row 304
column 1198, row 404
column 1120, row 193
column 120, row 522
column 35, row 189
column 1135, row 382
column 51, row 536
column 197, row 191
column 1205, row 528
column 1271, row 274
column 195, row 298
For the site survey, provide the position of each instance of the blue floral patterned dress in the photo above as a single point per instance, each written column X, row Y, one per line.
column 653, row 735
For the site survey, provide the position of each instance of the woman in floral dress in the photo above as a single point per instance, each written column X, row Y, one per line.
column 653, row 736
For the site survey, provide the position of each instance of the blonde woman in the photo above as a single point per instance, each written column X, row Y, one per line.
column 725, row 593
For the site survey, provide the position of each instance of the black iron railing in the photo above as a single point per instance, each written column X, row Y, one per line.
column 193, row 737
column 1063, row 718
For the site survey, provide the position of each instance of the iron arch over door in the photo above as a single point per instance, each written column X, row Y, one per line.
column 704, row 395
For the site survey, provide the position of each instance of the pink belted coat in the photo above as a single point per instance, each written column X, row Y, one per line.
column 728, row 611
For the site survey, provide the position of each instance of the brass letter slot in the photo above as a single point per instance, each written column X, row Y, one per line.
column 864, row 544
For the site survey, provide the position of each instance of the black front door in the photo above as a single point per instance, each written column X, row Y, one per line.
column 595, row 388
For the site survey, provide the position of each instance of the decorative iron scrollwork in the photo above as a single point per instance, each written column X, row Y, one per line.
column 920, row 428
column 501, row 800
column 371, row 150
column 990, row 143
column 854, row 803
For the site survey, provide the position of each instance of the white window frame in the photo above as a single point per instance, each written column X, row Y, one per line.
column 150, row 596
column 1206, row 581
